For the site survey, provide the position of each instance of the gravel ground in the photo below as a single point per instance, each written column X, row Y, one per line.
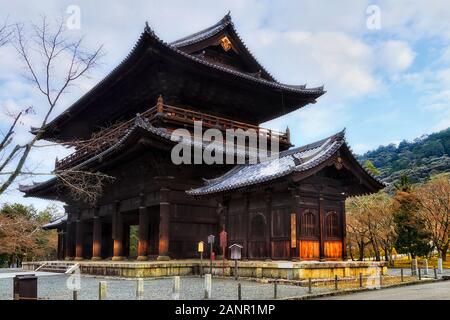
column 55, row 288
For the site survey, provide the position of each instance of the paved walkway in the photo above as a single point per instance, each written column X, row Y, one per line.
column 429, row 291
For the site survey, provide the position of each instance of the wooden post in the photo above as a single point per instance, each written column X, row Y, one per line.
column 143, row 234
column 79, row 239
column 248, row 226
column 360, row 280
column 75, row 295
column 140, row 288
column 59, row 245
column 207, row 286
column 268, row 224
column 164, row 225
column 239, row 292
column 117, row 234
column 321, row 228
column 435, row 273
column 335, row 282
column 420, row 275
column 176, row 288
column 69, row 240
column 401, row 274
column 97, row 239
column 275, row 289
column 309, row 286
column 102, row 290
column 344, row 231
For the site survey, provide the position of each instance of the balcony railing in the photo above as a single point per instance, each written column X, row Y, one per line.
column 165, row 113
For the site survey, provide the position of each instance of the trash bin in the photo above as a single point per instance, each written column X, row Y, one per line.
column 25, row 286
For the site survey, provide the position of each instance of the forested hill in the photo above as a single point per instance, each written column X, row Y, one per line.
column 418, row 159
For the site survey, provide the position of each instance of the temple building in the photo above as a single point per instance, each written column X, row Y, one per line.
column 288, row 207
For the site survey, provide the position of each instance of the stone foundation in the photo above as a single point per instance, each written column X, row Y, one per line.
column 249, row 269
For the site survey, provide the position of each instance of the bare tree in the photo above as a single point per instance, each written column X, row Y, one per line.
column 45, row 50
column 5, row 33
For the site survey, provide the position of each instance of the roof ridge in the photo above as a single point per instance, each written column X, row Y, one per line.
column 222, row 23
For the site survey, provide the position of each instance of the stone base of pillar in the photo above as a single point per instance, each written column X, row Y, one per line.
column 68, row 258
column 163, row 258
column 96, row 258
column 142, row 258
column 117, row 258
column 78, row 258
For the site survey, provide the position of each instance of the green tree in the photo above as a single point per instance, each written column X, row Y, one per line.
column 412, row 236
column 369, row 166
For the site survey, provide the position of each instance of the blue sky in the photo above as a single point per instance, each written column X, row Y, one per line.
column 383, row 85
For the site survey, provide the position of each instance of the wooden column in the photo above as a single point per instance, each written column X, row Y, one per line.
column 344, row 231
column 321, row 228
column 79, row 239
column 268, row 224
column 59, row 252
column 164, row 225
column 247, row 225
column 97, row 238
column 117, row 234
column 143, row 234
column 295, row 253
column 69, row 240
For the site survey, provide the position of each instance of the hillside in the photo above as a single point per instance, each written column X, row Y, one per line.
column 418, row 159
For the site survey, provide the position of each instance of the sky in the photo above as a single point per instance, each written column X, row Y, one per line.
column 384, row 64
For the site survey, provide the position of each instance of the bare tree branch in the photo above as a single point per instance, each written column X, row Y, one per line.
column 40, row 51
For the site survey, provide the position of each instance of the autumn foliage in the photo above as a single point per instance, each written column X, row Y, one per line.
column 21, row 235
column 414, row 220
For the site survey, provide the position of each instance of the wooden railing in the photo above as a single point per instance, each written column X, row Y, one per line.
column 161, row 112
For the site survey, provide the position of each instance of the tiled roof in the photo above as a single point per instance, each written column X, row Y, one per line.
column 203, row 34
column 55, row 223
column 140, row 124
column 294, row 160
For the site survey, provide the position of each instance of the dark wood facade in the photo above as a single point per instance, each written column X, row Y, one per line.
column 296, row 213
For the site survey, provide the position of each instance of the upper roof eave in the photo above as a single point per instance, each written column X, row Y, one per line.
column 133, row 57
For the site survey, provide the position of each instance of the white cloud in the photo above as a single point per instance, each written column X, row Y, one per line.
column 396, row 56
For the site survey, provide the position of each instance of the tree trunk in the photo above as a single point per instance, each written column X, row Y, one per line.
column 443, row 252
column 361, row 251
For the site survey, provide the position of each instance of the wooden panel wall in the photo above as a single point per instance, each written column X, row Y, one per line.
column 333, row 249
column 309, row 250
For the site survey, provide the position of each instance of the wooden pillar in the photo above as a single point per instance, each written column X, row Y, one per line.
column 97, row 238
column 69, row 240
column 164, row 225
column 117, row 234
column 268, row 224
column 248, row 225
column 295, row 254
column 143, row 234
column 59, row 252
column 344, row 231
column 79, row 239
column 321, row 228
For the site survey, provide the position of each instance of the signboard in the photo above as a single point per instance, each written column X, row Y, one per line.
column 236, row 251
column 200, row 246
column 211, row 239
column 293, row 230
